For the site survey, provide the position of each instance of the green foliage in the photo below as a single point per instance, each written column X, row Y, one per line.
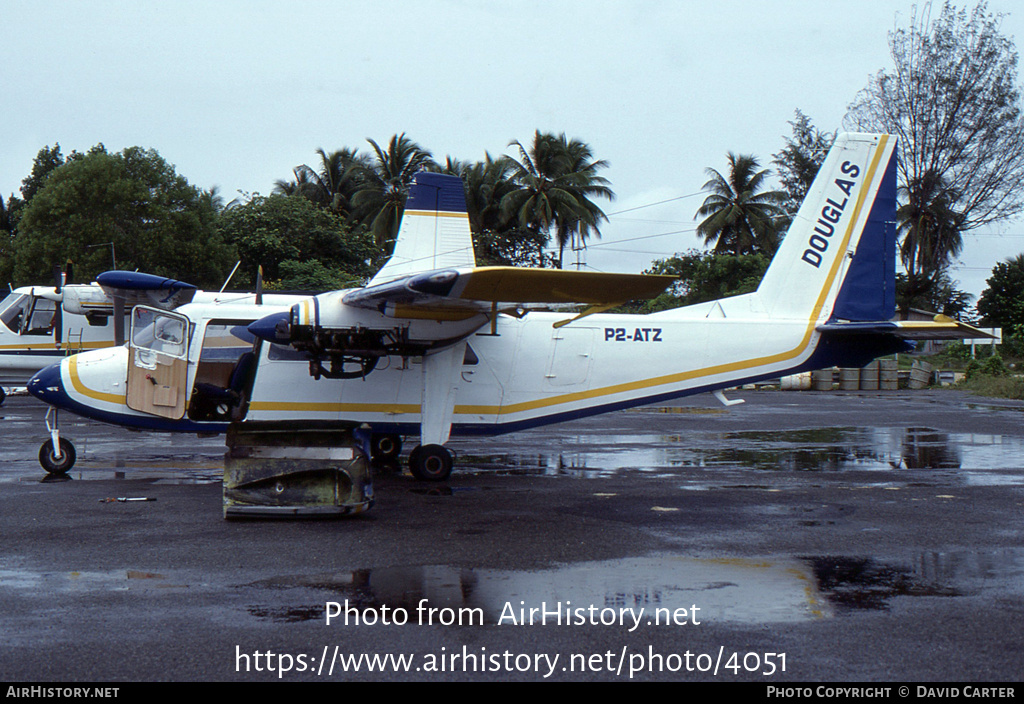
column 934, row 293
column 554, row 180
column 312, row 275
column 1012, row 345
column 155, row 220
column 952, row 99
column 955, row 349
column 995, row 386
column 510, row 247
column 1002, row 302
column 740, row 216
column 299, row 245
column 989, row 366
column 707, row 276
column 798, row 162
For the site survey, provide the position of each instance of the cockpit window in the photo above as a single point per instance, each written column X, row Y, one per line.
column 29, row 315
column 14, row 311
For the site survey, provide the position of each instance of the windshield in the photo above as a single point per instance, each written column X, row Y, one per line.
column 13, row 310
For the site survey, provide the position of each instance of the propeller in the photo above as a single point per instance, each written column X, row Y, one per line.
column 259, row 285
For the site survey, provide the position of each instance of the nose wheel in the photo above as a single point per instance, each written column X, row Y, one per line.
column 57, row 455
column 431, row 463
column 53, row 462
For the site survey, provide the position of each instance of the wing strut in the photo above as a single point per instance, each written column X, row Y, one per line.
column 440, row 374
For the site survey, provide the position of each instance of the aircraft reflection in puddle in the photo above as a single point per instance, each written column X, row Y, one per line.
column 734, row 590
column 981, row 459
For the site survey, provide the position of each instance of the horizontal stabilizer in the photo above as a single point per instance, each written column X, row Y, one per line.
column 941, row 327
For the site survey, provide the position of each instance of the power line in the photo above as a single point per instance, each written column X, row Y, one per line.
column 651, row 205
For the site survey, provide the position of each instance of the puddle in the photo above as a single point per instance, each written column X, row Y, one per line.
column 80, row 581
column 649, row 592
column 977, row 459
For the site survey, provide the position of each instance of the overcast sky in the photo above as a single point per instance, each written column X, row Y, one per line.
column 236, row 94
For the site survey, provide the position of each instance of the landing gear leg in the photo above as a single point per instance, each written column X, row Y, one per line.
column 57, row 455
column 431, row 463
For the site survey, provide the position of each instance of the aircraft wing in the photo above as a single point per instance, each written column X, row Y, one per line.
column 941, row 327
column 466, row 291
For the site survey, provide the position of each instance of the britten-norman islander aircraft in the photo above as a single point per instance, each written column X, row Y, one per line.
column 41, row 324
column 435, row 345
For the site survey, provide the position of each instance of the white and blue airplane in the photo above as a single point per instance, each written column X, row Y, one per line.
column 40, row 325
column 435, row 345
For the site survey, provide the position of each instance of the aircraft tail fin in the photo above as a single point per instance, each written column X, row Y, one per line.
column 434, row 233
column 838, row 259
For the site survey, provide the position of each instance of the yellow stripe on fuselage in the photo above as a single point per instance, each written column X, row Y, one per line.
column 48, row 346
column 79, row 386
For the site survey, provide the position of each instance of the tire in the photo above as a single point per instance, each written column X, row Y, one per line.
column 386, row 447
column 431, row 463
column 3, row 395
column 49, row 461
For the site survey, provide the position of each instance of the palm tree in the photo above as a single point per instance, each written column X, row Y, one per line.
column 932, row 236
column 333, row 186
column 555, row 179
column 932, row 230
column 486, row 182
column 739, row 216
column 384, row 184
column 587, row 183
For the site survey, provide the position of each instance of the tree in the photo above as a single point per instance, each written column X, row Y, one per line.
column 1002, row 302
column 498, row 240
column 555, row 179
column 133, row 202
column 798, row 162
column 6, row 242
column 740, row 217
column 299, row 245
column 707, row 276
column 952, row 100
column 47, row 160
column 384, row 185
column 334, row 185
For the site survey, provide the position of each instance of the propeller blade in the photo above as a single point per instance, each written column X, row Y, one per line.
column 259, row 285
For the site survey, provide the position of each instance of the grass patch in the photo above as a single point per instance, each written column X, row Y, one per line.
column 994, row 386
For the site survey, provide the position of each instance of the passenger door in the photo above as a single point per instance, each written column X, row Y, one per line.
column 158, row 366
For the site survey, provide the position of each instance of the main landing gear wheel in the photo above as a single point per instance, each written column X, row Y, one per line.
column 431, row 463
column 385, row 447
column 49, row 461
column 3, row 395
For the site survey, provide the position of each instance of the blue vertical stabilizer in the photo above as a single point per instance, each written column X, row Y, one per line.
column 869, row 289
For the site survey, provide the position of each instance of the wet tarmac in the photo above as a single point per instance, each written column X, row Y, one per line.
column 800, row 536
